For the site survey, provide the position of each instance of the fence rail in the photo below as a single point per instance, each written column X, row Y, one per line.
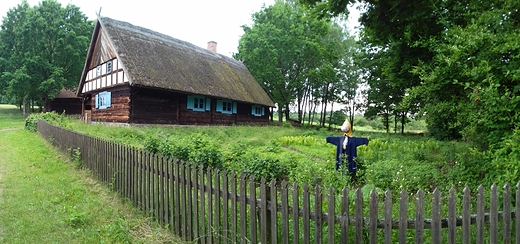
column 210, row 206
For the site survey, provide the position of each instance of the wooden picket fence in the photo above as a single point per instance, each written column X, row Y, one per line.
column 212, row 206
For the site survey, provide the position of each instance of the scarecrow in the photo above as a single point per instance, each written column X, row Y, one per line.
column 346, row 146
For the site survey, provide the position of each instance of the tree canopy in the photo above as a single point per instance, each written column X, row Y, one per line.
column 300, row 60
column 454, row 62
column 42, row 50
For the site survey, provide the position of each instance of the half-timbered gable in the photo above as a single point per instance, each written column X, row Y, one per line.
column 136, row 75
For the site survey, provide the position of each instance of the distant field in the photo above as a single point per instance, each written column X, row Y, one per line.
column 10, row 117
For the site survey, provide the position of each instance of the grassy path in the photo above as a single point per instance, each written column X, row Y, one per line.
column 45, row 199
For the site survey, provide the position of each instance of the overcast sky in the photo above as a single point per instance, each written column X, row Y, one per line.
column 195, row 21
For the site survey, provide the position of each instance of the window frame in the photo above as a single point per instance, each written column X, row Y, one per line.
column 103, row 100
column 254, row 111
column 109, row 68
column 226, row 106
column 198, row 103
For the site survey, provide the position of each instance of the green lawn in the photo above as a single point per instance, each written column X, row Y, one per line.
column 45, row 199
column 10, row 117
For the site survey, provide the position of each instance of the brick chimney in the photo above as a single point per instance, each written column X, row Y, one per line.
column 212, row 46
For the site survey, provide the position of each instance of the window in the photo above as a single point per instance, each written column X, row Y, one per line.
column 257, row 110
column 109, row 66
column 98, row 70
column 198, row 103
column 226, row 107
column 103, row 100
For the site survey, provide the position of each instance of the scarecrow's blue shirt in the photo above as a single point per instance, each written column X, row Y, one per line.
column 350, row 151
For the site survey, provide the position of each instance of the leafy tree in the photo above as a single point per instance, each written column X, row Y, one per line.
column 279, row 50
column 299, row 60
column 477, row 62
column 455, row 60
column 42, row 50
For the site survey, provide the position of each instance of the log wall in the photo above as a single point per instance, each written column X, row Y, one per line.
column 154, row 107
column 119, row 111
column 161, row 107
column 148, row 106
column 71, row 106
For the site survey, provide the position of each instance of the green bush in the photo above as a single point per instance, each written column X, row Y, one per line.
column 197, row 148
column 360, row 121
column 506, row 160
column 31, row 122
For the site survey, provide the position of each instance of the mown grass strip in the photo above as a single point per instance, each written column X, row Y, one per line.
column 46, row 200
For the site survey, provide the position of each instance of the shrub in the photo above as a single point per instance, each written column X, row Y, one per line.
column 360, row 121
column 31, row 122
column 266, row 166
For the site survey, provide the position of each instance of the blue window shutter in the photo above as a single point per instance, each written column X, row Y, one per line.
column 263, row 109
column 208, row 104
column 253, row 109
column 234, row 107
column 97, row 104
column 108, row 97
column 219, row 105
column 190, row 102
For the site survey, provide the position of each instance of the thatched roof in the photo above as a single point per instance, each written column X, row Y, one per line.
column 155, row 60
column 66, row 93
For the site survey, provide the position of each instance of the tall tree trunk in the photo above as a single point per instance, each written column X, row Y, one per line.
column 403, row 118
column 387, row 122
column 312, row 116
column 286, row 111
column 330, row 116
column 395, row 123
column 26, row 107
column 352, row 113
column 280, row 114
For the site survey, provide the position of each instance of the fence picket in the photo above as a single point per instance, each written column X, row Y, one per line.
column 403, row 216
column 273, row 234
column 216, row 215
column 493, row 215
column 242, row 202
column 252, row 210
column 183, row 212
column 209, row 206
column 331, row 215
column 344, row 216
column 359, row 216
column 195, row 204
column 373, row 216
column 204, row 233
column 517, row 211
column 306, row 214
column 225, row 207
column 190, row 218
column 285, row 212
column 295, row 214
column 436, row 217
column 263, row 211
column 234, row 194
column 317, row 214
column 466, row 217
column 452, row 219
column 419, row 217
column 507, row 213
column 388, row 217
column 480, row 215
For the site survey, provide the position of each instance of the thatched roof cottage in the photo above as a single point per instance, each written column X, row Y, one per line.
column 136, row 75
